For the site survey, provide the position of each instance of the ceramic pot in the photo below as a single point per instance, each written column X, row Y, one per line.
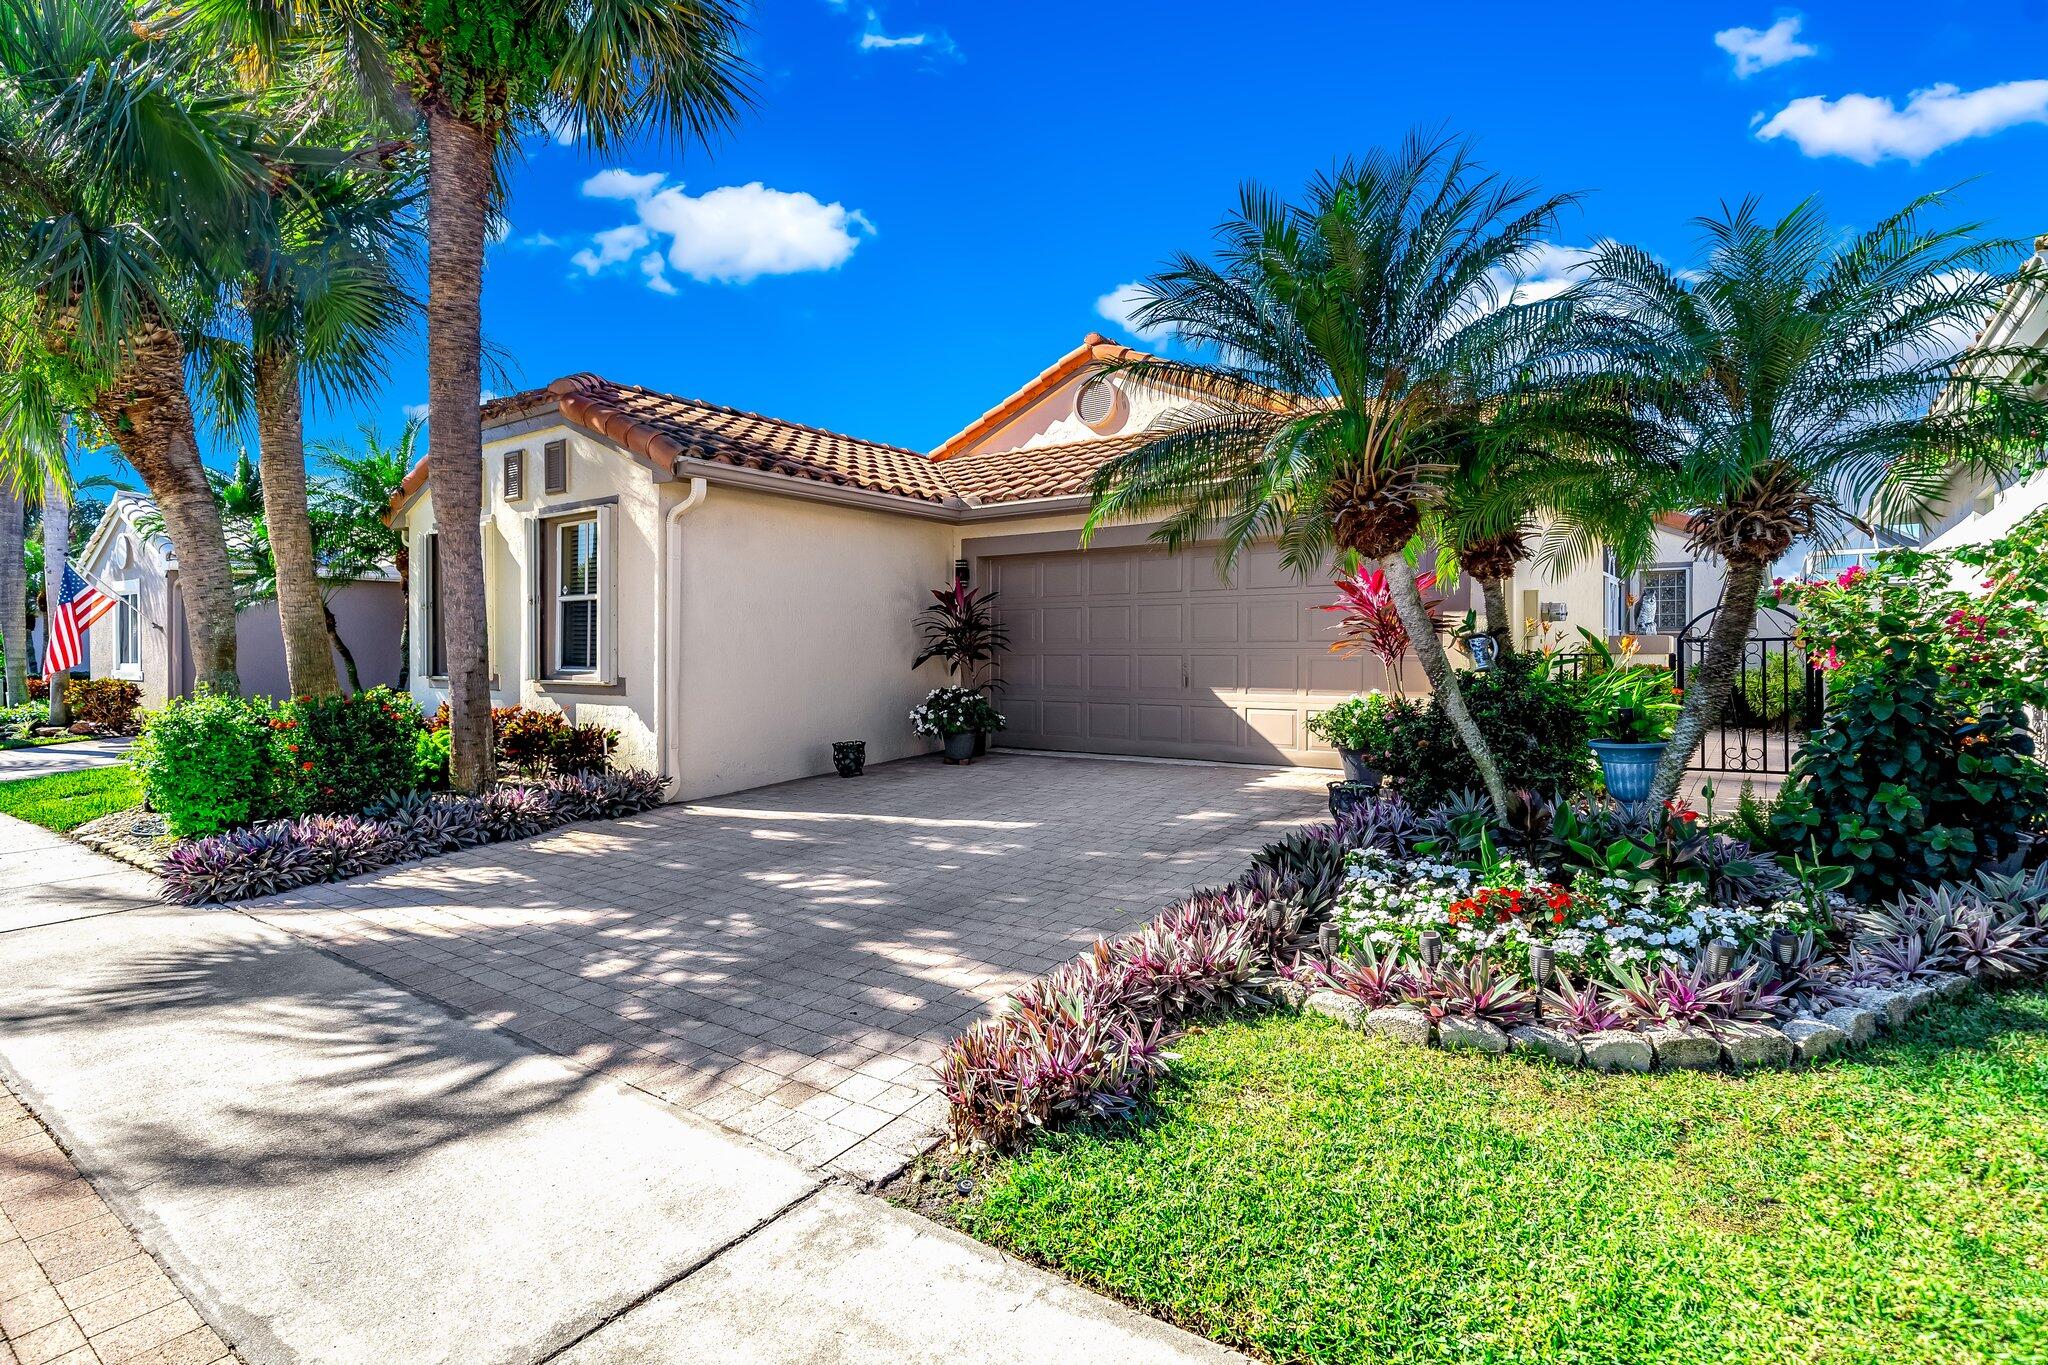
column 850, row 757
column 960, row 747
column 1627, row 767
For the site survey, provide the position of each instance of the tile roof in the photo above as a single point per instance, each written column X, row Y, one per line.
column 1047, row 471
column 662, row 429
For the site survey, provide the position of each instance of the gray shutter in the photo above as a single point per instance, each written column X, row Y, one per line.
column 515, row 475
column 536, row 666
column 555, row 467
column 607, row 600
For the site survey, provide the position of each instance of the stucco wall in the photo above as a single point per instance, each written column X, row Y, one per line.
column 796, row 627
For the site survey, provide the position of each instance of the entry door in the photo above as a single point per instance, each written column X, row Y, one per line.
column 1145, row 652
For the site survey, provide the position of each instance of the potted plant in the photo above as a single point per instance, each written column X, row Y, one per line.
column 960, row 630
column 1359, row 729
column 956, row 715
column 1630, row 708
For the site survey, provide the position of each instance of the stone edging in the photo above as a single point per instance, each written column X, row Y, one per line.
column 1670, row 1047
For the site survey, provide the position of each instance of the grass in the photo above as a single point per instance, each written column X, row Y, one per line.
column 64, row 801
column 42, row 742
column 1308, row 1193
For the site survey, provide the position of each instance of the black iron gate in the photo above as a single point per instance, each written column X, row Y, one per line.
column 1776, row 701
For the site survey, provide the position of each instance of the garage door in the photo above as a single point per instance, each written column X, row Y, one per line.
column 1145, row 652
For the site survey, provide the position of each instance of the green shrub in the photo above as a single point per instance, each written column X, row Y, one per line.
column 1532, row 719
column 111, row 702
column 431, row 754
column 212, row 761
column 1765, row 696
column 1361, row 724
column 351, row 752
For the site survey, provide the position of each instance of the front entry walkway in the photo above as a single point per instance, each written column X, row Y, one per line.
column 787, row 962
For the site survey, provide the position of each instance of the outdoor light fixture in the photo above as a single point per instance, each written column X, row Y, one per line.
column 1432, row 945
column 1539, row 964
column 1326, row 941
column 1784, row 947
column 1720, row 956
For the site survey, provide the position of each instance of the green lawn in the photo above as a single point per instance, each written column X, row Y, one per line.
column 43, row 742
column 63, row 801
column 1305, row 1192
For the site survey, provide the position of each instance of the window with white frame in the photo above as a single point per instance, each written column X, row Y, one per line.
column 1614, row 596
column 1664, row 601
column 128, row 631
column 576, row 595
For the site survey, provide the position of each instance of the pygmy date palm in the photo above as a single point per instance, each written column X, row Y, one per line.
column 1796, row 378
column 1349, row 344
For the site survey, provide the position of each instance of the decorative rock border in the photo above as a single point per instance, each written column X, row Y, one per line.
column 1736, row 1046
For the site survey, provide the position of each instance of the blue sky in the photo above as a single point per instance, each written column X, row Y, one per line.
column 932, row 199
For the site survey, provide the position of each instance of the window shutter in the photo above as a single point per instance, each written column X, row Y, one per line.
column 535, row 581
column 607, row 599
column 422, row 616
column 515, row 475
column 555, row 467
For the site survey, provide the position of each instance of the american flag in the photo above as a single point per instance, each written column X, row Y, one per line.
column 78, row 606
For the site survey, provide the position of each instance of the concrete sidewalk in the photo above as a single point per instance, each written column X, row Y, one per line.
column 40, row 760
column 333, row 1169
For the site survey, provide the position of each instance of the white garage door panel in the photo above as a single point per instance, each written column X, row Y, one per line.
column 1142, row 652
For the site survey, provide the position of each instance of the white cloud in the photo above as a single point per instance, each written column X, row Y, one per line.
column 612, row 246
column 614, row 183
column 932, row 42
column 1550, row 271
column 652, row 266
column 1868, row 128
column 734, row 233
column 1120, row 306
column 497, row 230
column 415, row 412
column 1757, row 50
column 538, row 241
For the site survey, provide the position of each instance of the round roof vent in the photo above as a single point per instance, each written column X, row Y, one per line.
column 1100, row 405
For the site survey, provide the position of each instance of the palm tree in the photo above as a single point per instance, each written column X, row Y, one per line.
column 321, row 293
column 1354, row 342
column 116, row 168
column 480, row 77
column 350, row 502
column 1788, row 382
column 13, row 595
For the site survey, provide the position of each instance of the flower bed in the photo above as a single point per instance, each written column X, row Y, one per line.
column 1585, row 934
column 282, row 855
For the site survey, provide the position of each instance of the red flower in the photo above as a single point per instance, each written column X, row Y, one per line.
column 306, row 767
column 1557, row 917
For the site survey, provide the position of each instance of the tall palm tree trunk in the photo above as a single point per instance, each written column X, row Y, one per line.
column 13, row 596
column 147, row 409
column 56, row 553
column 1428, row 648
column 458, row 196
column 1708, row 689
column 301, row 609
column 1501, row 626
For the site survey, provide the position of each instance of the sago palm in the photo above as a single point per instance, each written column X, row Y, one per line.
column 118, row 163
column 1348, row 345
column 481, row 75
column 1797, row 378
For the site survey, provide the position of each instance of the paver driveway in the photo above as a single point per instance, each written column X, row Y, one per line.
column 787, row 961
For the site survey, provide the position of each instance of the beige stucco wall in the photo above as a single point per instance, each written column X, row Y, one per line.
column 795, row 623
column 790, row 621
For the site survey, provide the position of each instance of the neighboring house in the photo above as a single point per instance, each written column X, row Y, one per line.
column 733, row 592
column 1975, row 509
column 144, row 640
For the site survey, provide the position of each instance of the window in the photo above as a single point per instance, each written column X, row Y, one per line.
column 437, row 641
column 575, row 592
column 1665, row 602
column 1614, row 600
column 128, row 632
column 515, row 475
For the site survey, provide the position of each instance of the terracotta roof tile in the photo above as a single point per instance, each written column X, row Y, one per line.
column 1047, row 471
column 663, row 429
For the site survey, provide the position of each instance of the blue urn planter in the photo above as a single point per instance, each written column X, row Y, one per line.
column 1628, row 768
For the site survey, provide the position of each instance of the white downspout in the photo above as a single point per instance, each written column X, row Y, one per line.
column 668, row 636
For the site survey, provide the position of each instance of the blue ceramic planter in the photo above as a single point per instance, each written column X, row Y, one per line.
column 1628, row 768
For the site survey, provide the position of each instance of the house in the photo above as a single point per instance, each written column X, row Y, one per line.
column 733, row 592
column 143, row 639
column 1975, row 508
